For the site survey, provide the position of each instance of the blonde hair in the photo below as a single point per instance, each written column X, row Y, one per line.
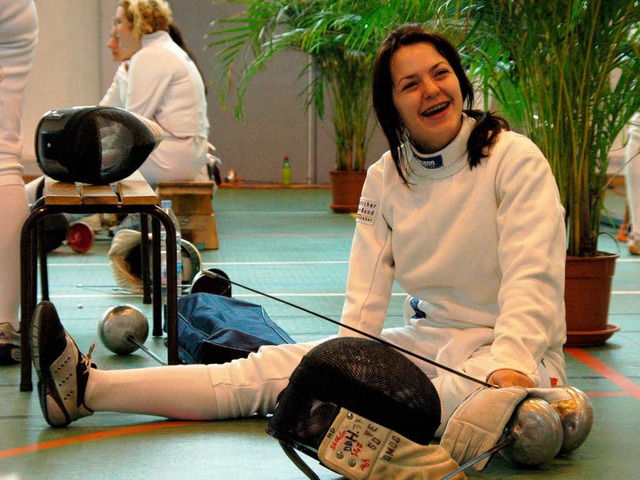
column 147, row 16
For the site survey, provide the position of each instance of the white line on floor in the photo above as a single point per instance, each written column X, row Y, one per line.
column 243, row 295
column 216, row 264
column 251, row 295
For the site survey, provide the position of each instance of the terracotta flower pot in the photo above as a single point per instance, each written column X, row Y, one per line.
column 346, row 188
column 587, row 296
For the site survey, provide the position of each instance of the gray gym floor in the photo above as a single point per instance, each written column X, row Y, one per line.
column 289, row 244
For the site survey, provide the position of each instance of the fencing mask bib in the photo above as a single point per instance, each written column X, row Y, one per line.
column 95, row 145
column 363, row 410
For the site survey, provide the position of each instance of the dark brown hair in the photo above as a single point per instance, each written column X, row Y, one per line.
column 176, row 36
column 484, row 133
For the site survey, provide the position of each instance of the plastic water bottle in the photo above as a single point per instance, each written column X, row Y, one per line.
column 167, row 207
column 286, row 171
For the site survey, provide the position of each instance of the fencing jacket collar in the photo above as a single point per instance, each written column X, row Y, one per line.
column 448, row 161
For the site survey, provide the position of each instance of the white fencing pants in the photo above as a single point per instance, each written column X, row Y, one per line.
column 632, row 174
column 245, row 387
column 18, row 36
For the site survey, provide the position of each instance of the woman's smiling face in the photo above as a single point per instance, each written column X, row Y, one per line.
column 427, row 95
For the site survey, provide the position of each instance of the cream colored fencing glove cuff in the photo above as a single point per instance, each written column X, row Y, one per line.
column 361, row 449
column 479, row 422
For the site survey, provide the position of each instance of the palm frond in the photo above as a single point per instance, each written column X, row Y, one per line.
column 551, row 67
column 340, row 36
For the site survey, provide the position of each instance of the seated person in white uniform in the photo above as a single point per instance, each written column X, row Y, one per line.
column 164, row 85
column 116, row 95
column 159, row 80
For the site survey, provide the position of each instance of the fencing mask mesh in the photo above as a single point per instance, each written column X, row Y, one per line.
column 373, row 381
column 96, row 145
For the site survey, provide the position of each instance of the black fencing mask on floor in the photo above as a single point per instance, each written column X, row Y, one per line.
column 357, row 406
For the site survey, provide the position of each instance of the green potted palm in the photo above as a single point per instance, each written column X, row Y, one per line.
column 551, row 68
column 341, row 38
column 548, row 64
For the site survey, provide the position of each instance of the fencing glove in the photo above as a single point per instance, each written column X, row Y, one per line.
column 479, row 422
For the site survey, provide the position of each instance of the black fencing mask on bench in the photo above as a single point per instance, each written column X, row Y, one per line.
column 95, row 145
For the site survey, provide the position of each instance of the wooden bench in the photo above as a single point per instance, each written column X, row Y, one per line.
column 133, row 195
column 192, row 202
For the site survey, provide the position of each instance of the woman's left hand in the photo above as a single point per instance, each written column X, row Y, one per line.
column 510, row 378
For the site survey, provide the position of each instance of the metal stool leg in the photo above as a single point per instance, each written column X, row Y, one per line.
column 28, row 295
column 144, row 252
column 30, row 253
column 42, row 253
column 157, row 280
column 171, row 315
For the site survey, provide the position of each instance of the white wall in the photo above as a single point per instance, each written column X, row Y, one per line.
column 65, row 70
column 73, row 67
column 275, row 122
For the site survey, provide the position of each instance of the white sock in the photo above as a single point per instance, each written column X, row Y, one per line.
column 181, row 391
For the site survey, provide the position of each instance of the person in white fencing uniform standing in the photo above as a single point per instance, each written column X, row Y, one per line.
column 18, row 37
column 632, row 183
column 466, row 217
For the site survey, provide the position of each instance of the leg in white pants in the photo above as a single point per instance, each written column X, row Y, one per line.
column 245, row 387
column 176, row 160
column 18, row 36
column 632, row 175
column 236, row 389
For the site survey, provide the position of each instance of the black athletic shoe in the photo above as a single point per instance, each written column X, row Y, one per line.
column 62, row 369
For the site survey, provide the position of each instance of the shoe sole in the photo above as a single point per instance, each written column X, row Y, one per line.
column 35, row 340
column 48, row 396
column 36, row 331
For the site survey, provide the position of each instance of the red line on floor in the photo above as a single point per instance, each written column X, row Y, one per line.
column 628, row 386
column 116, row 432
column 608, row 394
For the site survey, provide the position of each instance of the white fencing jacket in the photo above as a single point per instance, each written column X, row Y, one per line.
column 482, row 247
column 165, row 86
